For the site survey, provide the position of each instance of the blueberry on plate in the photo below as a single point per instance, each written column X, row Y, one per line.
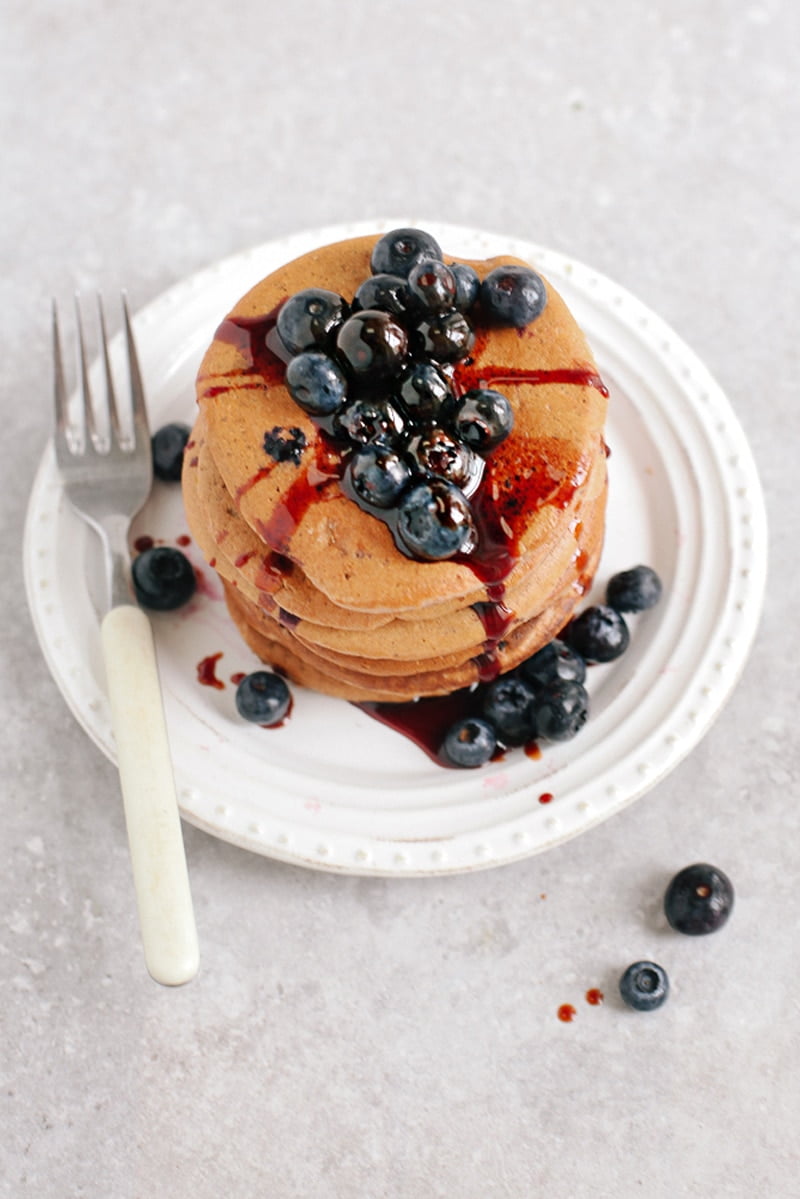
column 168, row 444
column 469, row 743
column 398, row 252
column 509, row 707
column 308, row 319
column 424, row 391
column 698, row 900
column 163, row 578
column 387, row 292
column 468, row 286
column 560, row 710
column 634, row 590
column 372, row 344
column 553, row 661
column 316, row 383
column 483, row 418
column 377, row 475
column 599, row 634
column 432, row 285
column 644, row 986
column 434, row 521
column 263, row 698
column 513, row 295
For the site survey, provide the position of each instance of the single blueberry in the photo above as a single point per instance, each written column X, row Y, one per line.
column 560, row 710
column 434, row 521
column 316, row 383
column 469, row 743
column 698, row 900
column 370, row 420
column 309, row 319
column 285, row 445
column 468, row 286
column 634, row 590
column 399, row 251
column 444, row 337
column 377, row 475
column 554, row 661
column 483, row 418
column 163, row 578
column 263, row 698
column 168, row 444
column 424, row 391
column 432, row 286
column 437, row 453
column 644, row 986
column 508, row 705
column 599, row 634
column 387, row 292
column 513, row 295
column 372, row 344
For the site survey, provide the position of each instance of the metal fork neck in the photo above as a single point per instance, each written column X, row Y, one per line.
column 113, row 532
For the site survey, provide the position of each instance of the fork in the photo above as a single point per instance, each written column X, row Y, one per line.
column 107, row 480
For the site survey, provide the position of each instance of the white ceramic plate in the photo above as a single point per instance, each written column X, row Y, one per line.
column 335, row 790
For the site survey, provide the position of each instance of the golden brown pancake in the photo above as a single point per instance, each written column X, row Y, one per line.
column 317, row 585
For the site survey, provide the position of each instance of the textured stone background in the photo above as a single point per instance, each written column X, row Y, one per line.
column 359, row 1037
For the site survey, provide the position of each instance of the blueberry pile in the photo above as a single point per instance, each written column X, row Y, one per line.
column 377, row 374
column 544, row 698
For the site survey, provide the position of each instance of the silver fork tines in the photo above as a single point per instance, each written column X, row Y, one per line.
column 107, row 473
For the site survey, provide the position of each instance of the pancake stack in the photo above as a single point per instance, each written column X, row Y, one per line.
column 319, row 583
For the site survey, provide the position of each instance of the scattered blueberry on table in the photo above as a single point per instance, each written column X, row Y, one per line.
column 644, row 986
column 698, row 900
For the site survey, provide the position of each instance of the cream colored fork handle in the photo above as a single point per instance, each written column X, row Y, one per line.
column 158, row 858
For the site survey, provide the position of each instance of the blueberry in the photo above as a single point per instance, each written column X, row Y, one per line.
column 366, row 420
column 398, row 252
column 168, row 444
column 644, row 986
column 561, row 709
column 437, row 453
column 432, row 285
column 308, row 319
column 445, row 337
column 372, row 344
column 424, row 391
column 513, row 295
column 699, row 900
column 508, row 705
column 483, row 418
column 377, row 475
column 285, row 445
column 263, row 698
column 599, row 634
column 316, row 383
column 434, row 521
column 468, row 286
column 634, row 590
column 555, row 661
column 469, row 742
column 163, row 578
column 387, row 292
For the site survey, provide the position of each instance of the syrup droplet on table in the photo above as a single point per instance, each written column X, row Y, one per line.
column 566, row 1013
column 594, row 996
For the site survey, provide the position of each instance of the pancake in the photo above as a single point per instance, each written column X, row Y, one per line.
column 317, row 581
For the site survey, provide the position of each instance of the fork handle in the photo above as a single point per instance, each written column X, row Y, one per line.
column 160, row 876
